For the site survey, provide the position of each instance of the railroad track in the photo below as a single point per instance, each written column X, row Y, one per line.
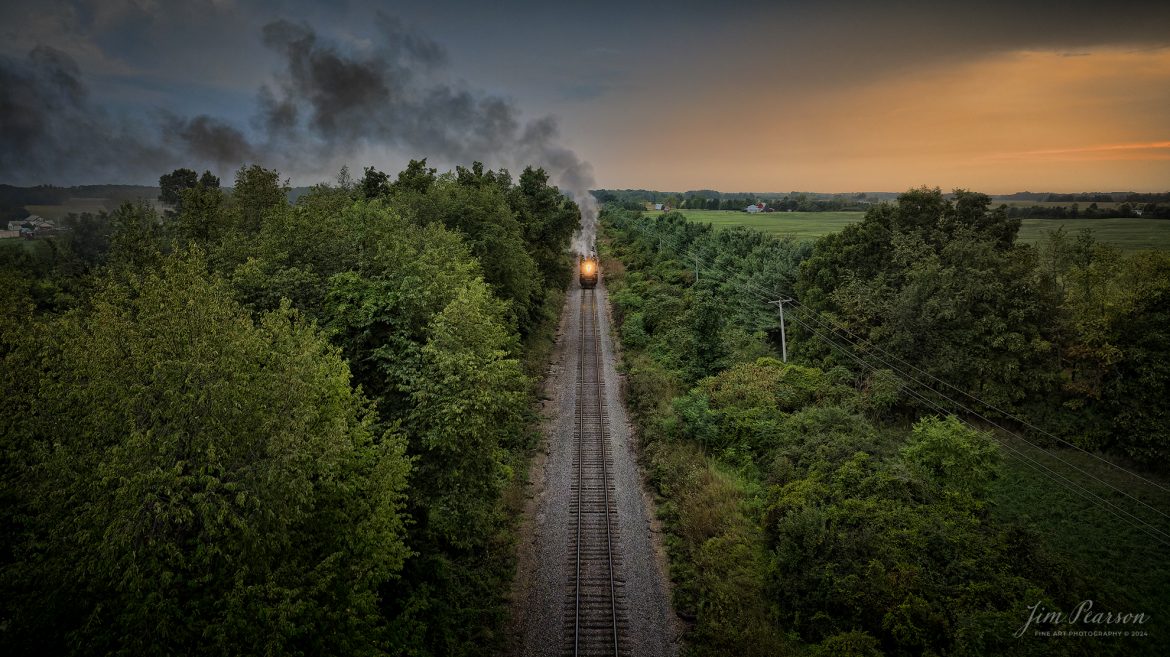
column 596, row 616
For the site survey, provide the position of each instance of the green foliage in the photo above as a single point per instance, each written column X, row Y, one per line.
column 1112, row 324
column 795, row 499
column 937, row 283
column 228, row 451
column 953, row 456
column 257, row 191
column 1137, row 390
column 375, row 183
column 850, row 644
column 201, row 217
column 222, row 483
column 172, row 185
column 1069, row 336
column 88, row 237
column 517, row 233
column 719, row 565
column 136, row 241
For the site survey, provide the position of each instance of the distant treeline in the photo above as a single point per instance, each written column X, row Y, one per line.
column 709, row 199
column 1134, row 204
column 53, row 195
column 1124, row 211
column 14, row 199
column 1110, row 197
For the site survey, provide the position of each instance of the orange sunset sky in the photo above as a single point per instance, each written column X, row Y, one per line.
column 841, row 95
column 1036, row 119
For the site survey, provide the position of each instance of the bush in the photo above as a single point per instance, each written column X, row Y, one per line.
column 952, row 455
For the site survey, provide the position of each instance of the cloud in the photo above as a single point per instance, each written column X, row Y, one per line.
column 1153, row 150
column 331, row 101
column 50, row 130
column 328, row 101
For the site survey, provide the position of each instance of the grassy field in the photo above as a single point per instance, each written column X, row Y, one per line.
column 1103, row 205
column 1125, row 234
column 74, row 205
column 1119, row 553
column 21, row 244
column 797, row 224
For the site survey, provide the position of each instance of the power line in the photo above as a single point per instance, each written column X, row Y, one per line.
column 1005, row 430
column 792, row 282
column 1056, row 477
column 1109, row 507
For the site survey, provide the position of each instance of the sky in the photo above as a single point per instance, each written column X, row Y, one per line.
column 832, row 96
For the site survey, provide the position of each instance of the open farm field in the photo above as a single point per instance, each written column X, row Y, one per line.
column 1103, row 205
column 73, row 205
column 806, row 225
column 1125, row 234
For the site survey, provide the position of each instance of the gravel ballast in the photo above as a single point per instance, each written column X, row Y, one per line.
column 544, row 567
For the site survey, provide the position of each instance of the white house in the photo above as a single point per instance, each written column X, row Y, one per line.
column 758, row 207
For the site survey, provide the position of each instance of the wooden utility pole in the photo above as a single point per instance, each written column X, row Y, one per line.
column 783, row 338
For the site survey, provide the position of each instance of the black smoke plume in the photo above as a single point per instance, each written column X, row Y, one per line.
column 326, row 105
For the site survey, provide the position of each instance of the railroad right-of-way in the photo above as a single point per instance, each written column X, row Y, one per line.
column 591, row 577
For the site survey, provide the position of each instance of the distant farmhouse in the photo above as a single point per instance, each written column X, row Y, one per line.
column 31, row 227
column 758, row 207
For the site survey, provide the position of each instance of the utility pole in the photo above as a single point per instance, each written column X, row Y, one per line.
column 783, row 339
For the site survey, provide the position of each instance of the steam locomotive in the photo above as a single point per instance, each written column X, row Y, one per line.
column 589, row 270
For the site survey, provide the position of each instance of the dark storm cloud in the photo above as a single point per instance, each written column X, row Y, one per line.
column 49, row 128
column 839, row 43
column 332, row 101
column 327, row 103
column 208, row 139
column 358, row 84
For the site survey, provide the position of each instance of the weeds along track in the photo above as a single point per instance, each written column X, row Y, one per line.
column 595, row 615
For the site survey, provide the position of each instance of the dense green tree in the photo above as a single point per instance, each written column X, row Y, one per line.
column 799, row 521
column 374, row 183
column 258, row 499
column 938, row 284
column 221, row 484
column 209, row 180
column 1139, row 383
column 549, row 221
column 1110, row 331
column 89, row 236
column 416, row 177
column 952, row 455
column 137, row 236
column 202, row 217
column 257, row 191
column 172, row 185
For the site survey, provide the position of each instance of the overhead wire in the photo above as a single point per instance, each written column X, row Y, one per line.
column 798, row 304
column 765, row 296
